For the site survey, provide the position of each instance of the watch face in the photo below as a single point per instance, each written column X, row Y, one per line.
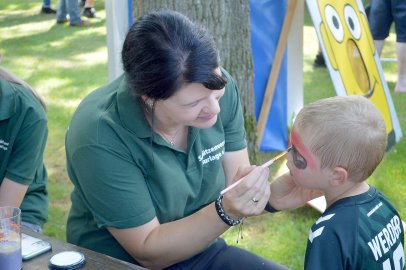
column 67, row 260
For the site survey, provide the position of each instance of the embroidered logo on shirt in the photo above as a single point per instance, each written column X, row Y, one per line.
column 213, row 153
column 3, row 145
column 319, row 231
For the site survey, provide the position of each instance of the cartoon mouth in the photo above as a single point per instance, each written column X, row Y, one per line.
column 359, row 69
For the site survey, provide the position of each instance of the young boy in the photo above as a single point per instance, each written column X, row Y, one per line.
column 336, row 145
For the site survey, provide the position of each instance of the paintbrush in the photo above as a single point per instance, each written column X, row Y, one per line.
column 266, row 164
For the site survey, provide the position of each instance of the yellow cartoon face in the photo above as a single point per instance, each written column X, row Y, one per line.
column 350, row 51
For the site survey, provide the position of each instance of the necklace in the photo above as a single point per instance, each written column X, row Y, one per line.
column 150, row 119
column 172, row 140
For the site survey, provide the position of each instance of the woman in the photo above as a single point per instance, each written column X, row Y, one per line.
column 149, row 153
column 23, row 135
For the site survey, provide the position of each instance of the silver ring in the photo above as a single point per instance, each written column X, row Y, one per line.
column 255, row 200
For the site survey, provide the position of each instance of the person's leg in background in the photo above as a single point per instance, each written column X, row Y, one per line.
column 46, row 7
column 382, row 14
column 89, row 10
column 399, row 15
column 319, row 59
column 380, row 21
column 401, row 59
column 367, row 7
column 61, row 12
column 74, row 13
column 70, row 7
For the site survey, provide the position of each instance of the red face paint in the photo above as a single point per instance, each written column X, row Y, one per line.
column 303, row 151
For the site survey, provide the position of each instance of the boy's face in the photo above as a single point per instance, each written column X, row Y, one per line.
column 304, row 166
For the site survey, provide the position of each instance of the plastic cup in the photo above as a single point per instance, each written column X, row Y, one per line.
column 10, row 238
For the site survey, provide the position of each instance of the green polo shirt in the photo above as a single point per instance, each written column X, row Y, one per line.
column 124, row 174
column 23, row 135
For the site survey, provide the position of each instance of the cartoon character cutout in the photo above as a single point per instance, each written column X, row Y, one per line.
column 349, row 50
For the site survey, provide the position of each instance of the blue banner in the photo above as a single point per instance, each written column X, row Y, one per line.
column 266, row 24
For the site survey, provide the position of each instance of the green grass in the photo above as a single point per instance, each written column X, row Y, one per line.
column 65, row 63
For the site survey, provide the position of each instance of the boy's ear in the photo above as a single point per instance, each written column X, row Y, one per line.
column 339, row 176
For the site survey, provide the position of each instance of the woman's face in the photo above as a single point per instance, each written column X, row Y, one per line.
column 192, row 105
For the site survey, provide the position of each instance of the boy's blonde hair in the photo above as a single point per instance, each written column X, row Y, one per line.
column 345, row 131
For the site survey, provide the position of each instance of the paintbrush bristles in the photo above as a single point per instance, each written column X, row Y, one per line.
column 266, row 164
column 272, row 160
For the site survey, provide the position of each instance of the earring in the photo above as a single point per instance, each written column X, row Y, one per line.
column 150, row 104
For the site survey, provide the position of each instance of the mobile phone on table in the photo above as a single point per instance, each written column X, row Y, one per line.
column 32, row 246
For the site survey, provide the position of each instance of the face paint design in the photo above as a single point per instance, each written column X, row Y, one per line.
column 299, row 161
column 302, row 157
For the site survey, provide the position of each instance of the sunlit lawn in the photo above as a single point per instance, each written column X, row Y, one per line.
column 65, row 63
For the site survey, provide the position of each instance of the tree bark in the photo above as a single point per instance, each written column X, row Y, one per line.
column 229, row 23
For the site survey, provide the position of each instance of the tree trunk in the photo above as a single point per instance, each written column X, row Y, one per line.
column 229, row 23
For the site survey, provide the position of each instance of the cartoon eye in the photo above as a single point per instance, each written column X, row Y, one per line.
column 334, row 23
column 352, row 21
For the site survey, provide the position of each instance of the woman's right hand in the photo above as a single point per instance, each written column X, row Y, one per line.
column 250, row 196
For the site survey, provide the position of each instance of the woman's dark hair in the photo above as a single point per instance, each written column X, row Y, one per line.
column 164, row 50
